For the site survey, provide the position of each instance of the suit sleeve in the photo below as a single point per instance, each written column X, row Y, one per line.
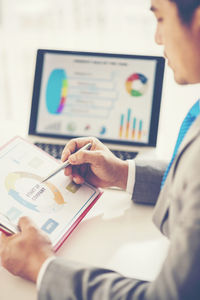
column 148, row 177
column 179, row 278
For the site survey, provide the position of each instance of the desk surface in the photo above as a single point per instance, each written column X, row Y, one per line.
column 116, row 234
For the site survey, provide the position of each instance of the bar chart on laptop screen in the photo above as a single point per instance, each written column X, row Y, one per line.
column 107, row 97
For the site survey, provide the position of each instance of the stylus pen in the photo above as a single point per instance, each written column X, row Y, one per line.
column 65, row 164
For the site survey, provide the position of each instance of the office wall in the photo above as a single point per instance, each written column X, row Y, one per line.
column 123, row 26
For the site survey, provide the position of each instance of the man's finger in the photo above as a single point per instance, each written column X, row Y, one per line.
column 3, row 237
column 25, row 223
column 68, row 171
column 74, row 145
column 85, row 156
column 78, row 179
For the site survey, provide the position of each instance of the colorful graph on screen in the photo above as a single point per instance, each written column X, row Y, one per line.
column 130, row 82
column 56, row 91
column 130, row 126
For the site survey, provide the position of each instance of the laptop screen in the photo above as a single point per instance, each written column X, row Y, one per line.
column 114, row 97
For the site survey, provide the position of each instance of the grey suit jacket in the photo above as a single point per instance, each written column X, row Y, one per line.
column 177, row 214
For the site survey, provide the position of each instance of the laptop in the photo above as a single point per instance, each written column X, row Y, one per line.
column 114, row 97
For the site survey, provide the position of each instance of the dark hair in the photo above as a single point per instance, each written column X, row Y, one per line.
column 186, row 9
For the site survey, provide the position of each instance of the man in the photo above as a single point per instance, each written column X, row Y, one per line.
column 177, row 212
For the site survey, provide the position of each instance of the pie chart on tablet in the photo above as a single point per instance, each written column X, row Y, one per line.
column 27, row 190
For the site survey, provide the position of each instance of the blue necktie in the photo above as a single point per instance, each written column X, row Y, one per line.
column 191, row 116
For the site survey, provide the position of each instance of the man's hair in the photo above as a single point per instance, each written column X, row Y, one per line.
column 186, row 9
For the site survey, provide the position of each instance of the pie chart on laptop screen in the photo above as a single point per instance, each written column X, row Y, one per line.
column 136, row 85
column 56, row 91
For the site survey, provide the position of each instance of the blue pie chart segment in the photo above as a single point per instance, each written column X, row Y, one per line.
column 56, row 91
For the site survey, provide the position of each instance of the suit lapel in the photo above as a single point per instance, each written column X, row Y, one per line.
column 192, row 132
column 163, row 203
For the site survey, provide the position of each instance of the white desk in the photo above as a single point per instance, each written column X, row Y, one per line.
column 116, row 234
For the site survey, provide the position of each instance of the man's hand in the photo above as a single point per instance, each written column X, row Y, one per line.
column 23, row 254
column 97, row 166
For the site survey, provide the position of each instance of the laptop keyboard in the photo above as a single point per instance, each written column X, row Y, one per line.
column 56, row 151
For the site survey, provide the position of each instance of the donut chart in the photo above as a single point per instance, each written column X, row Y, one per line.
column 56, row 91
column 130, row 84
column 10, row 184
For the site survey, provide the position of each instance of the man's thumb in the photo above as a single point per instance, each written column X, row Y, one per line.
column 83, row 157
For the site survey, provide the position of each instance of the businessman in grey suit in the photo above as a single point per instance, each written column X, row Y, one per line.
column 177, row 211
